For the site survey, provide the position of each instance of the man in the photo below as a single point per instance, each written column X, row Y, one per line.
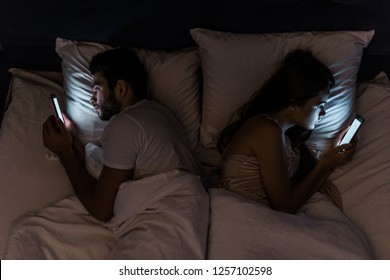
column 141, row 139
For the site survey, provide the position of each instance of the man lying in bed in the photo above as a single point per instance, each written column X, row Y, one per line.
column 141, row 139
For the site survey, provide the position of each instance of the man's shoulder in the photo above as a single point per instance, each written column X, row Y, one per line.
column 148, row 109
column 136, row 114
column 146, row 115
column 124, row 119
column 142, row 106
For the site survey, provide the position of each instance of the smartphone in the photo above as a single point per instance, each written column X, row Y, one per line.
column 57, row 108
column 354, row 128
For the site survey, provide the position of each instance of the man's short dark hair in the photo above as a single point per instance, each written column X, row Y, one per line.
column 121, row 64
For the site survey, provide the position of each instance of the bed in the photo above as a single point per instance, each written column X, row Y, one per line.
column 202, row 70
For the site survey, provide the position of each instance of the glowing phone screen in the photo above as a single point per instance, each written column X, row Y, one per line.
column 357, row 122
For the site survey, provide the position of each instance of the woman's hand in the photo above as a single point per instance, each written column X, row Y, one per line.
column 340, row 136
column 56, row 136
column 338, row 155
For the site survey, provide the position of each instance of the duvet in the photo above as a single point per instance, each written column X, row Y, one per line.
column 159, row 217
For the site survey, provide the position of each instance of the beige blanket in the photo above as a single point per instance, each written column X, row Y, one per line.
column 160, row 217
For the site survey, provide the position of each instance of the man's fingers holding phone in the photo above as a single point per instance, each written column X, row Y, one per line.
column 57, row 107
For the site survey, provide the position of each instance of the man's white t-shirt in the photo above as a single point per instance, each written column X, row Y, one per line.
column 147, row 137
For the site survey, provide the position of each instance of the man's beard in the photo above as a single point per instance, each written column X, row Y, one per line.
column 109, row 108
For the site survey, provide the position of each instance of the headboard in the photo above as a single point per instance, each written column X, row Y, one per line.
column 29, row 28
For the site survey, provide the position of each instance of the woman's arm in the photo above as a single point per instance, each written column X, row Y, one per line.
column 97, row 196
column 267, row 142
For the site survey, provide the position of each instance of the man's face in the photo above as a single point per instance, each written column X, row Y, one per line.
column 103, row 99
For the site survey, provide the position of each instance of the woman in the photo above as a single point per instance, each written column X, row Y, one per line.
column 265, row 156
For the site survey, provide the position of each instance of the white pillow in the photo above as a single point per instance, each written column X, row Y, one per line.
column 378, row 90
column 235, row 65
column 174, row 81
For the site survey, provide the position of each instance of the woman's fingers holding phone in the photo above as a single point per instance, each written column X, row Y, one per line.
column 338, row 156
column 341, row 135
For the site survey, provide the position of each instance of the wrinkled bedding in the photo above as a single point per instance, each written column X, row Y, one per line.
column 160, row 217
column 319, row 231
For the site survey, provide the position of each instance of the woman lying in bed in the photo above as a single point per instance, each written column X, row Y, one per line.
column 265, row 156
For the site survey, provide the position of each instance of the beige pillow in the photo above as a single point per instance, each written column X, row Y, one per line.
column 235, row 65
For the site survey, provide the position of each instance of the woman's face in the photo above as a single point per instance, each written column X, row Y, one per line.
column 310, row 114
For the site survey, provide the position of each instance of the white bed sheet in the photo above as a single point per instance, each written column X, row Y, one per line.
column 29, row 181
column 243, row 229
column 159, row 217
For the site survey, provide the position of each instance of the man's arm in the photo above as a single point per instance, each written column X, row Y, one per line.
column 97, row 196
column 77, row 145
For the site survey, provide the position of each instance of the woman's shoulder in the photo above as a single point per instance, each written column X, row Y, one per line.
column 261, row 123
column 260, row 128
column 258, row 131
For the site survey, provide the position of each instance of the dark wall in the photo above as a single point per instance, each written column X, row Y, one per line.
column 291, row 15
column 165, row 23
column 28, row 28
column 159, row 23
column 4, row 82
column 308, row 15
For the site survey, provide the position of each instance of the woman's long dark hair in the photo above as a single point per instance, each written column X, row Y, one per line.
column 299, row 77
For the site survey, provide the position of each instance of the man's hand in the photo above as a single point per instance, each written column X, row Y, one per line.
column 56, row 137
column 70, row 126
column 340, row 136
